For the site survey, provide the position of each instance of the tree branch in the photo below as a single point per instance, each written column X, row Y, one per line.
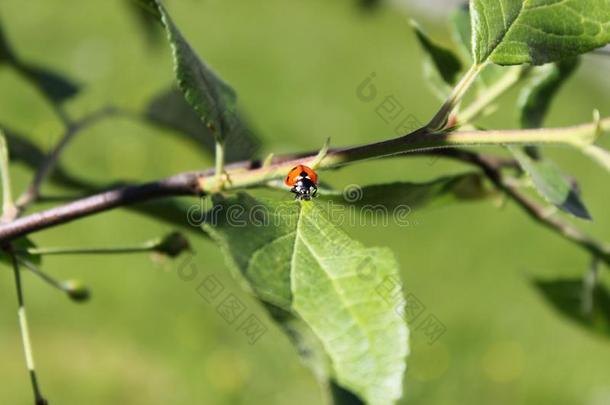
column 182, row 184
column 250, row 173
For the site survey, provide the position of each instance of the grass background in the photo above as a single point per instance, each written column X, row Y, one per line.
column 148, row 337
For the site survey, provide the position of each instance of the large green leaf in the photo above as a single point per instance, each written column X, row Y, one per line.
column 294, row 259
column 566, row 296
column 6, row 51
column 441, row 191
column 441, row 66
column 312, row 353
column 510, row 32
column 213, row 99
column 171, row 110
column 55, row 86
column 462, row 35
column 534, row 103
column 536, row 98
column 551, row 184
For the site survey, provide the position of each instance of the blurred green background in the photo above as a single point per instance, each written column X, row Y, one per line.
column 148, row 337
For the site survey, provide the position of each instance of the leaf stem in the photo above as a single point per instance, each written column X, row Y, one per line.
column 73, row 289
column 148, row 246
column 491, row 94
column 321, row 155
column 172, row 245
column 440, row 118
column 220, row 163
column 8, row 208
column 42, row 275
column 25, row 334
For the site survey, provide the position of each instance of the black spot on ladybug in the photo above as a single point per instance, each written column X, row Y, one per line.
column 304, row 189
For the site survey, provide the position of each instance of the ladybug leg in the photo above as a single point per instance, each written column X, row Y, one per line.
column 295, row 191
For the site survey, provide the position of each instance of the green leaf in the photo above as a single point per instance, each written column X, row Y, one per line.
column 510, row 32
column 534, row 102
column 294, row 259
column 56, row 87
column 171, row 110
column 146, row 21
column 441, row 66
column 459, row 22
column 536, row 98
column 8, row 206
column 551, row 184
column 441, row 191
column 462, row 35
column 212, row 99
column 6, row 51
column 312, row 353
column 180, row 212
column 21, row 245
column 566, row 296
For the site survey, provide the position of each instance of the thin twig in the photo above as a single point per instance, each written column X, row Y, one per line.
column 440, row 118
column 148, row 246
column 25, row 334
column 42, row 275
column 491, row 94
column 47, row 166
column 73, row 289
column 8, row 208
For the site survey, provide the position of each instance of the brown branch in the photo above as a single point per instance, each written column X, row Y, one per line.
column 249, row 173
column 190, row 183
column 182, row 184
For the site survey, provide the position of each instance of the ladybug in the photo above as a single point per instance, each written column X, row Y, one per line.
column 303, row 181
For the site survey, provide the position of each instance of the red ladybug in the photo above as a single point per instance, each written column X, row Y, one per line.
column 303, row 181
